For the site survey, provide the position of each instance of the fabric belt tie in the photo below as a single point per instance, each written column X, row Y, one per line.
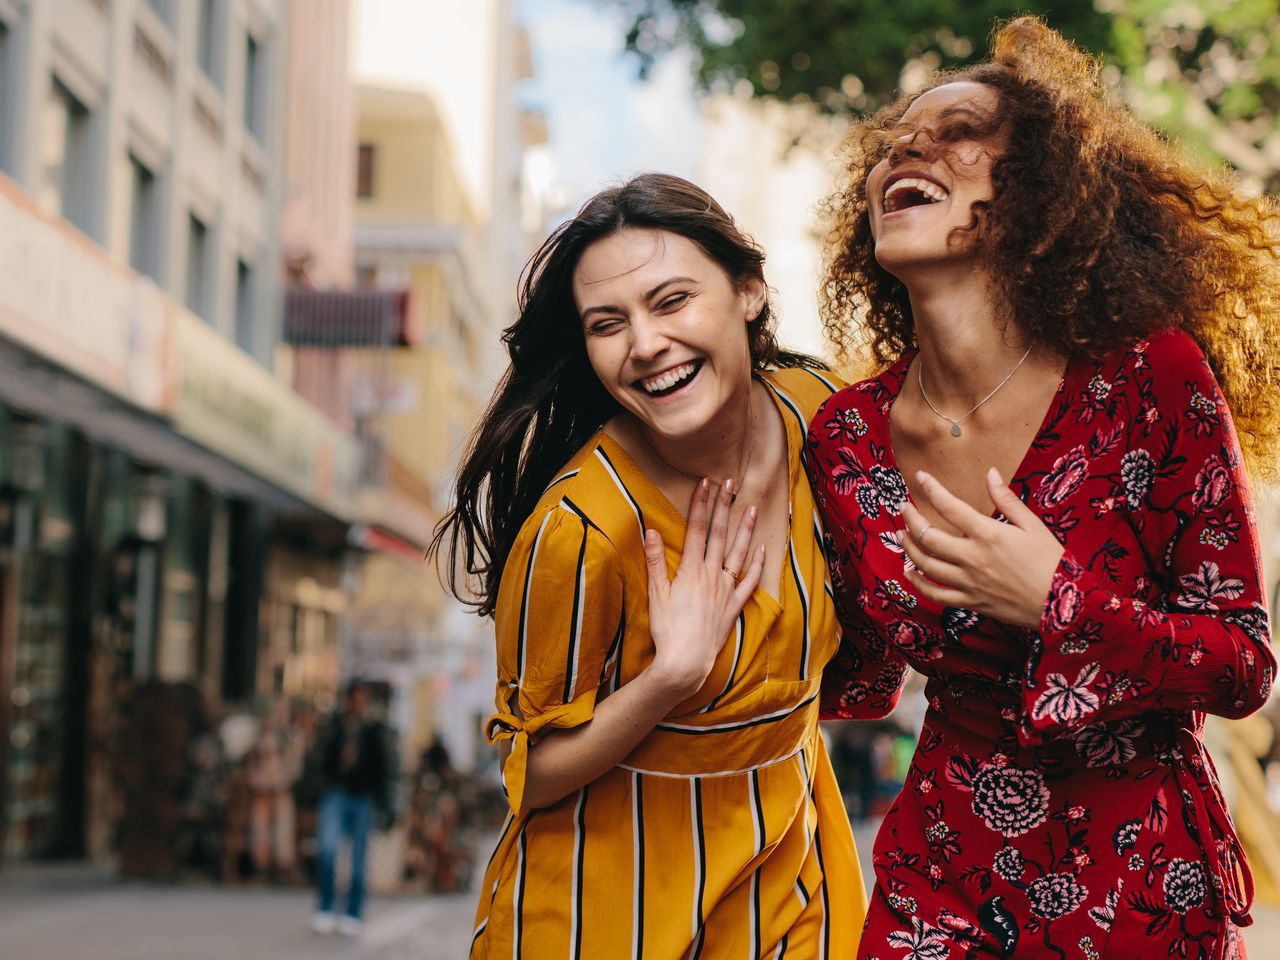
column 1230, row 878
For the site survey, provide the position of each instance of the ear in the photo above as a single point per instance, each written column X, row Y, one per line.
column 754, row 297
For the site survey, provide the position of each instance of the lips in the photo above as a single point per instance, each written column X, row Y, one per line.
column 669, row 380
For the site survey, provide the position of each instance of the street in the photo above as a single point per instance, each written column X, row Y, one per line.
column 74, row 912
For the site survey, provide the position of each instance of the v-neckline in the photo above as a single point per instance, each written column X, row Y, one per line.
column 680, row 521
column 902, row 368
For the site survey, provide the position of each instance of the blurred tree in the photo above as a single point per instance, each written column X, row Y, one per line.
column 1205, row 71
column 842, row 55
column 1208, row 72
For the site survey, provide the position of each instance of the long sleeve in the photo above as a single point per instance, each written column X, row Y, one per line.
column 1197, row 638
column 559, row 624
column 865, row 678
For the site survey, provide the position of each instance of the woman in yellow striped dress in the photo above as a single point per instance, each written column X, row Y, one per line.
column 657, row 680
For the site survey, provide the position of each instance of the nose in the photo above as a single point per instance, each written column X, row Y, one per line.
column 648, row 338
column 905, row 147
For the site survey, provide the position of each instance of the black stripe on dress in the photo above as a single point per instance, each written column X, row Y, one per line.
column 732, row 727
column 521, row 855
column 700, row 881
column 805, row 642
column 579, row 855
column 637, row 834
column 740, row 630
column 522, row 632
column 617, row 479
column 575, row 622
column 831, row 387
column 758, row 810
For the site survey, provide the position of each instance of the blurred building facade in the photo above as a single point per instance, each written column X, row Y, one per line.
column 171, row 512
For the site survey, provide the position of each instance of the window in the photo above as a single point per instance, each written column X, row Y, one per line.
column 244, row 306
column 364, row 171
column 207, row 41
column 64, row 157
column 254, row 84
column 197, row 293
column 144, row 220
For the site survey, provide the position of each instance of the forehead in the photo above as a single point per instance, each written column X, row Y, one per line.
column 953, row 96
column 636, row 257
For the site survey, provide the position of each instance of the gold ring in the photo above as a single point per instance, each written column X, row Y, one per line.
column 923, row 530
column 736, row 577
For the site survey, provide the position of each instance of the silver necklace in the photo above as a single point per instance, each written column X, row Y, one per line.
column 955, row 421
column 671, row 466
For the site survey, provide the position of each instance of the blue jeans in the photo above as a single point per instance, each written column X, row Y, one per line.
column 343, row 813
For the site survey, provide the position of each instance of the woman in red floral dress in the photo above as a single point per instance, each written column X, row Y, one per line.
column 1056, row 298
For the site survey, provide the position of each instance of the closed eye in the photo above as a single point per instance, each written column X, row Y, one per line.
column 604, row 327
column 674, row 302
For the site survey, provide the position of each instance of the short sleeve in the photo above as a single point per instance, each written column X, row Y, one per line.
column 559, row 625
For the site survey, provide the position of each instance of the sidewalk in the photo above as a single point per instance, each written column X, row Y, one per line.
column 75, row 912
column 79, row 913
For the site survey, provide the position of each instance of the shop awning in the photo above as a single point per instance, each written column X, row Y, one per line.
column 347, row 318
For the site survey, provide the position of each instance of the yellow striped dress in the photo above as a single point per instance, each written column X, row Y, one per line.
column 723, row 833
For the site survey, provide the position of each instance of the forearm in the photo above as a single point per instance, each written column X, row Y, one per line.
column 566, row 760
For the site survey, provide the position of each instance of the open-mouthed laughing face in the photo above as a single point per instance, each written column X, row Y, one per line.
column 666, row 329
column 937, row 167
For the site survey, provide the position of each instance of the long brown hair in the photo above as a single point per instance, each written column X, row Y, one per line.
column 1099, row 234
column 550, row 402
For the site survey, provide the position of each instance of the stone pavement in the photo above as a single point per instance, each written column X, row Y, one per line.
column 82, row 913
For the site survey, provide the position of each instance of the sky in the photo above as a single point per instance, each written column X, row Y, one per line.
column 604, row 123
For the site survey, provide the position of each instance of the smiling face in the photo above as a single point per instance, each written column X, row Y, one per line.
column 666, row 329
column 939, row 166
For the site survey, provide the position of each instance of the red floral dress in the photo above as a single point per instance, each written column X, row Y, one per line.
column 1060, row 802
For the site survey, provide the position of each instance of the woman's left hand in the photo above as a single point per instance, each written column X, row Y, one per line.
column 1001, row 570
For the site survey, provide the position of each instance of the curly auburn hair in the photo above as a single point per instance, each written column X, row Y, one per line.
column 1099, row 234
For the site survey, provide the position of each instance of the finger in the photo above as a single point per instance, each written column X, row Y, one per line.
column 737, row 556
column 939, row 593
column 750, row 579
column 1009, row 503
column 937, row 542
column 950, row 507
column 941, row 571
column 655, row 556
column 695, row 533
column 722, row 505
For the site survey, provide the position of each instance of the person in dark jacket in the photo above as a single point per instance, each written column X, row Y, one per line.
column 356, row 764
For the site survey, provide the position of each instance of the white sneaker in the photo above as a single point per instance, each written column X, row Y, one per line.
column 350, row 926
column 323, row 922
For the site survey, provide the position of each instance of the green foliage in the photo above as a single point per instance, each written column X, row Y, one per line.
column 843, row 55
column 1205, row 71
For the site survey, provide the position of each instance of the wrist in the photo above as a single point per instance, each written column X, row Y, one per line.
column 672, row 682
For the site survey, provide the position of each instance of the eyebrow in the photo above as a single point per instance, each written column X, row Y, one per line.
column 649, row 295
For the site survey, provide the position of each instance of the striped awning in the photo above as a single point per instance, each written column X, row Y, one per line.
column 347, row 318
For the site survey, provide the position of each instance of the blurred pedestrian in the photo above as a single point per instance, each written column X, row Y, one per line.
column 356, row 766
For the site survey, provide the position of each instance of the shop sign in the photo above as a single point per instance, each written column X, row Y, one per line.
column 227, row 402
column 62, row 298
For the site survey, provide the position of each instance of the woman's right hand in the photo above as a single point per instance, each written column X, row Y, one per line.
column 691, row 616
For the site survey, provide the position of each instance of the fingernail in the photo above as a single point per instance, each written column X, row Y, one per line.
column 751, row 513
column 703, row 483
column 728, row 485
column 994, row 474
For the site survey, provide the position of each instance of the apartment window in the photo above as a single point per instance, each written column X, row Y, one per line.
column 364, row 171
column 64, row 156
column 244, row 306
column 254, row 87
column 207, row 40
column 144, row 219
column 197, row 293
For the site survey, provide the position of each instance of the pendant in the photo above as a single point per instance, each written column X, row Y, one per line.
column 955, row 429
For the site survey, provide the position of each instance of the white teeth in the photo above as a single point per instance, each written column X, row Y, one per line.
column 928, row 188
column 669, row 378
